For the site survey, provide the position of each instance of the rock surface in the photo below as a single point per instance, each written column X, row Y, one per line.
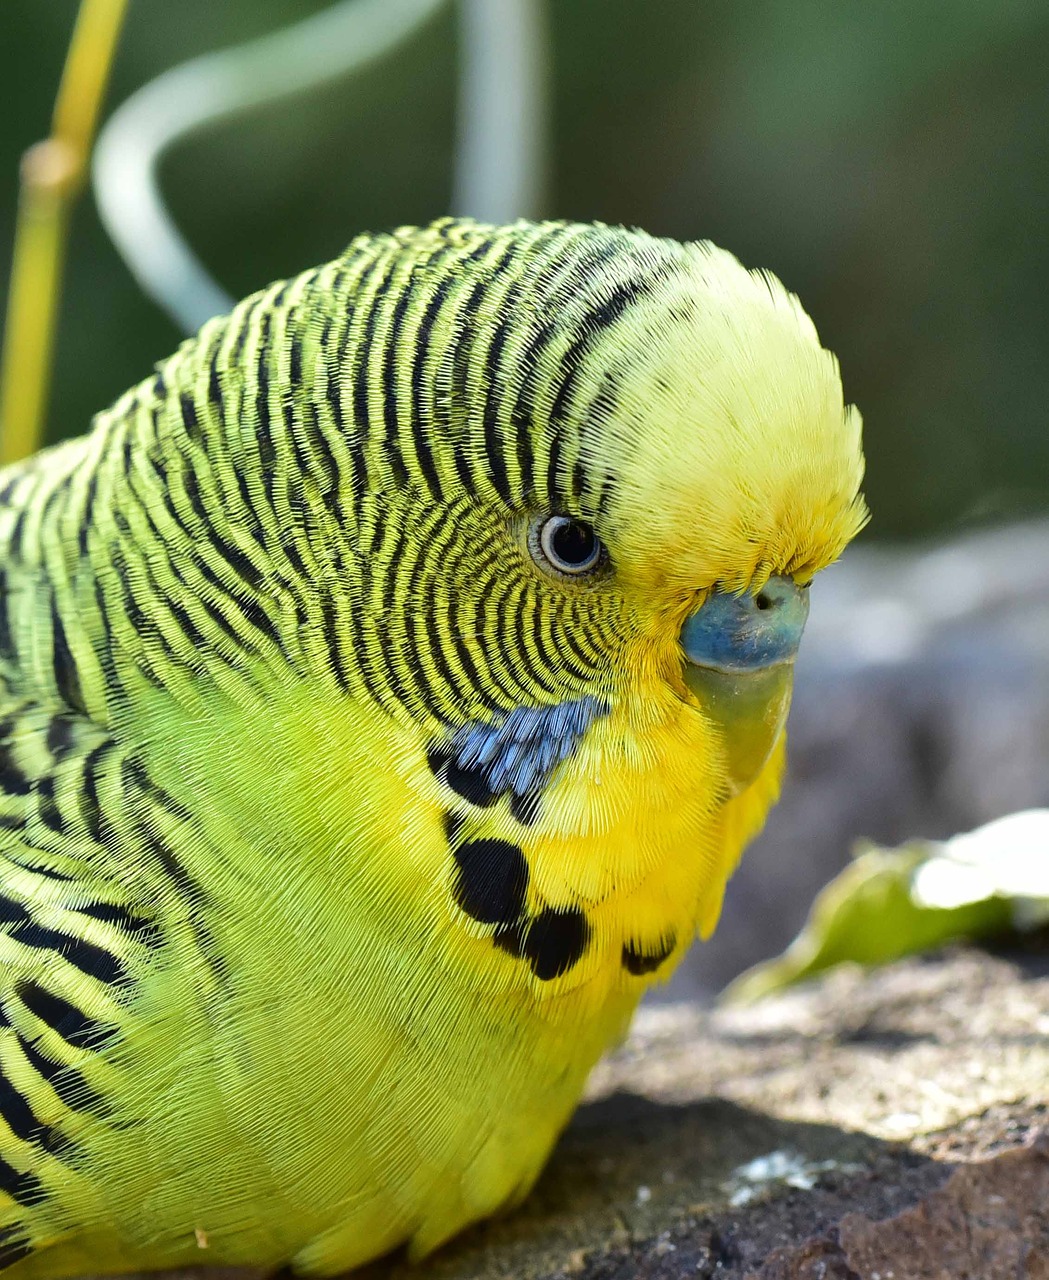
column 873, row 1125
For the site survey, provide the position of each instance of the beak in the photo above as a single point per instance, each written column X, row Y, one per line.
column 739, row 664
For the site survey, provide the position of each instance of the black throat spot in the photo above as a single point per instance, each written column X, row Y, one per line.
column 491, row 880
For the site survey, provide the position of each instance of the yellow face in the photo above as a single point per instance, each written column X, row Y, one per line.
column 735, row 456
column 736, row 472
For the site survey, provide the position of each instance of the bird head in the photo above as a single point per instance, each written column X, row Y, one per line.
column 594, row 471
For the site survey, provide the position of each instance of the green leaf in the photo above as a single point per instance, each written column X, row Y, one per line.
column 890, row 903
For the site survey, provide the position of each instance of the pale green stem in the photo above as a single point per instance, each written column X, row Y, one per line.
column 202, row 92
column 502, row 124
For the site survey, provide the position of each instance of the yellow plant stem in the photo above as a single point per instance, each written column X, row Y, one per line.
column 53, row 174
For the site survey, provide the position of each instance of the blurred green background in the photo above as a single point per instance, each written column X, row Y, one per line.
column 888, row 161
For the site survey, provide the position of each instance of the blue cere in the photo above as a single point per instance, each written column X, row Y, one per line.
column 748, row 632
column 521, row 752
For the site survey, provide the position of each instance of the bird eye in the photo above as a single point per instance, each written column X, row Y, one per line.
column 567, row 545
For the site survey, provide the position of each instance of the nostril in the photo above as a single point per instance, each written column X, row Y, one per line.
column 763, row 601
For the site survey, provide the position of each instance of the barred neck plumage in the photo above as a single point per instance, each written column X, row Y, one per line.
column 292, row 480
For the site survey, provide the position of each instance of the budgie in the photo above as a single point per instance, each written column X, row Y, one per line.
column 390, row 684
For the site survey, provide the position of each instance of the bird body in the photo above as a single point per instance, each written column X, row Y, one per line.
column 361, row 759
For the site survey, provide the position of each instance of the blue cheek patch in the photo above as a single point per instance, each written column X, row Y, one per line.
column 519, row 754
column 747, row 633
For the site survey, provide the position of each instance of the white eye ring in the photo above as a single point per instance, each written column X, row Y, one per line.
column 567, row 545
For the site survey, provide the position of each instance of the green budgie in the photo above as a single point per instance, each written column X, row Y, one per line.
column 389, row 686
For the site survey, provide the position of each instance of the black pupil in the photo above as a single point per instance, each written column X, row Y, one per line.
column 573, row 543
